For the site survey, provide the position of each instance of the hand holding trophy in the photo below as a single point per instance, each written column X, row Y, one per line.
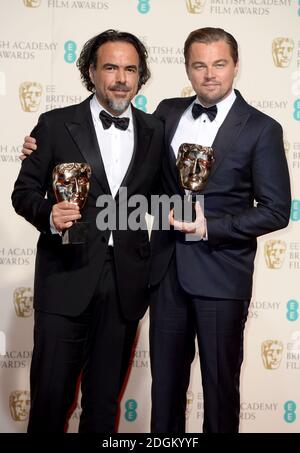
column 194, row 163
column 71, row 182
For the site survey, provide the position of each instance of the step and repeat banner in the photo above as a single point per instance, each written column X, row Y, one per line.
column 40, row 41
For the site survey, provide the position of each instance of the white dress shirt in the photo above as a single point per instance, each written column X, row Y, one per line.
column 201, row 131
column 116, row 147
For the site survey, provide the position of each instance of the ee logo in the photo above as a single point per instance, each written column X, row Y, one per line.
column 295, row 210
column 289, row 414
column 143, row 6
column 130, row 410
column 70, row 51
column 141, row 102
column 296, row 113
column 292, row 310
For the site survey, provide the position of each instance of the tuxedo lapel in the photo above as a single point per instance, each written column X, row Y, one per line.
column 84, row 135
column 229, row 132
column 142, row 141
column 171, row 124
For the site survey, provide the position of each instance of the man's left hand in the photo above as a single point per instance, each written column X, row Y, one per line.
column 197, row 228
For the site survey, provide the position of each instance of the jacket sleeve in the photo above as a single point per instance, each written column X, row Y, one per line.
column 271, row 192
column 28, row 197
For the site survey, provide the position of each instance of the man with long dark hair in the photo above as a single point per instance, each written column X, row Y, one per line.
column 89, row 298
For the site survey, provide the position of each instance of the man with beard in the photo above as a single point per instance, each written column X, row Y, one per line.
column 89, row 298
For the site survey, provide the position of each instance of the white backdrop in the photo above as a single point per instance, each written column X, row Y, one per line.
column 40, row 41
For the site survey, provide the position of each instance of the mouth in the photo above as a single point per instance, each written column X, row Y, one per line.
column 211, row 85
column 119, row 89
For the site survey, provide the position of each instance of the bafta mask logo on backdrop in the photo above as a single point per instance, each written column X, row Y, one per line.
column 275, row 253
column 23, row 298
column 282, row 51
column 19, row 404
column 186, row 92
column 32, row 3
column 30, row 94
column 195, row 6
column 189, row 403
column 271, row 352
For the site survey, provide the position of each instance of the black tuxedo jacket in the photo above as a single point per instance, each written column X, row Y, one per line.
column 250, row 165
column 66, row 275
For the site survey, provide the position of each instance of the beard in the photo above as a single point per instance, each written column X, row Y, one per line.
column 119, row 106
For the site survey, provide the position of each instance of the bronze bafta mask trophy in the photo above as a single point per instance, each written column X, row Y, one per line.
column 194, row 164
column 71, row 182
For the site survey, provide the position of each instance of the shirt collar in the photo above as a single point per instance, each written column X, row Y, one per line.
column 96, row 108
column 223, row 106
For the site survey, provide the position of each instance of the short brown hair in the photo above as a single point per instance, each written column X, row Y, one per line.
column 208, row 35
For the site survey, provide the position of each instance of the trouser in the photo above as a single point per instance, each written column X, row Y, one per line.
column 96, row 344
column 218, row 324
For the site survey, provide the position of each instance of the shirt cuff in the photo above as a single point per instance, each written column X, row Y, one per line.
column 52, row 227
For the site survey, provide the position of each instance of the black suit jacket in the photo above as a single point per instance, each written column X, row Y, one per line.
column 66, row 275
column 250, row 165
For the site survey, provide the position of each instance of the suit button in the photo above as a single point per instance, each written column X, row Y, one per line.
column 103, row 239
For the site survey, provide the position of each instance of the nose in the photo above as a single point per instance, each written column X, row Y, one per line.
column 121, row 75
column 209, row 72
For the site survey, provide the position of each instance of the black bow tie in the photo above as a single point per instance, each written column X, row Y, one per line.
column 198, row 109
column 107, row 120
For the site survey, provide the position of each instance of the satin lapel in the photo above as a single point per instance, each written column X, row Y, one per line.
column 171, row 124
column 229, row 132
column 142, row 141
column 84, row 135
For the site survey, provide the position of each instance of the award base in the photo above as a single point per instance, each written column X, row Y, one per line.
column 76, row 234
column 187, row 213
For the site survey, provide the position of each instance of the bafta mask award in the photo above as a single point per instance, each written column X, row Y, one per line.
column 194, row 164
column 71, row 182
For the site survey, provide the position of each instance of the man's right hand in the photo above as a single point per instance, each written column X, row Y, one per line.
column 29, row 145
column 64, row 214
